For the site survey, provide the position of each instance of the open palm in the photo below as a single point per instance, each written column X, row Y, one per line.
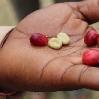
column 27, row 67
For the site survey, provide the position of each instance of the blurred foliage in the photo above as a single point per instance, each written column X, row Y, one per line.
column 7, row 13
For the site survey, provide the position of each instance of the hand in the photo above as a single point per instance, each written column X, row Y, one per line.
column 25, row 67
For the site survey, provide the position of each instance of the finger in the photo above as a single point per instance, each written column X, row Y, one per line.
column 86, row 9
column 89, row 8
column 90, row 78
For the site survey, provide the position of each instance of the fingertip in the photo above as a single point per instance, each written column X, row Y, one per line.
column 90, row 78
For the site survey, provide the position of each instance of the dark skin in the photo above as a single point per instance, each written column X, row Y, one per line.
column 26, row 67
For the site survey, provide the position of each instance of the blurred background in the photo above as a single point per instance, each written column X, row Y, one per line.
column 11, row 12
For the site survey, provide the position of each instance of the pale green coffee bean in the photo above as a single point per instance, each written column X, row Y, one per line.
column 55, row 43
column 64, row 38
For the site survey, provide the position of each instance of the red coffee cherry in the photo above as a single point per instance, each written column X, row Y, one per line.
column 90, row 38
column 91, row 57
column 38, row 39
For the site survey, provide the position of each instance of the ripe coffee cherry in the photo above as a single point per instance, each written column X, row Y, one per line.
column 90, row 38
column 98, row 39
column 91, row 57
column 38, row 39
